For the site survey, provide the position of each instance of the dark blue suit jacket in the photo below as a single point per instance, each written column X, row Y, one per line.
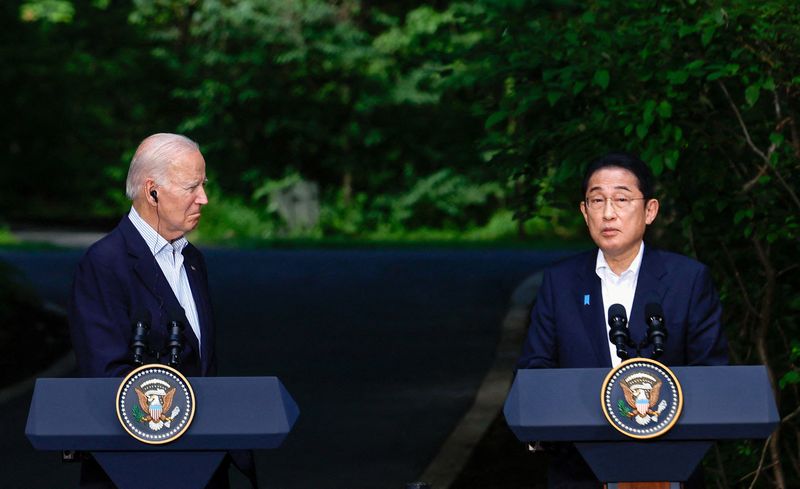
column 119, row 278
column 568, row 323
column 568, row 330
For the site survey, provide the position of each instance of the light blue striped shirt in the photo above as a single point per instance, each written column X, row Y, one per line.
column 169, row 257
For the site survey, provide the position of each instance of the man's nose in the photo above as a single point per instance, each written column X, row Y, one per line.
column 202, row 198
column 609, row 211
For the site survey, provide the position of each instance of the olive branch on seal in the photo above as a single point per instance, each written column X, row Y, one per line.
column 138, row 413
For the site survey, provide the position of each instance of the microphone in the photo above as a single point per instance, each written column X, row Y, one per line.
column 141, row 328
column 656, row 329
column 174, row 343
column 618, row 334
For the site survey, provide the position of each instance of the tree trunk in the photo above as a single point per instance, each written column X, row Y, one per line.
column 763, row 354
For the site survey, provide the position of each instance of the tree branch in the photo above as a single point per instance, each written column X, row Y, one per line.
column 765, row 157
column 739, row 118
column 760, row 467
column 738, row 276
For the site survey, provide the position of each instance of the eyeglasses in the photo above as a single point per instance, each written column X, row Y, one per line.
column 619, row 203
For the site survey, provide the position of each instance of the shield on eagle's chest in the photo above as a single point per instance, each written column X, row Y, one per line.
column 642, row 403
column 155, row 410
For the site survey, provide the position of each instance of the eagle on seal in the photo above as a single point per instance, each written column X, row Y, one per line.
column 156, row 403
column 642, row 392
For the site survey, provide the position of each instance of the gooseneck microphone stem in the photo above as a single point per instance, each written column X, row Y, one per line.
column 174, row 344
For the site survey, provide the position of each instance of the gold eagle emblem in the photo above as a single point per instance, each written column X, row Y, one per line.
column 642, row 392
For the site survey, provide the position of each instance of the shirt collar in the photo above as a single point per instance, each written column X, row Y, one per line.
column 155, row 242
column 602, row 265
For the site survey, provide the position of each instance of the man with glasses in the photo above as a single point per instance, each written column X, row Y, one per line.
column 568, row 326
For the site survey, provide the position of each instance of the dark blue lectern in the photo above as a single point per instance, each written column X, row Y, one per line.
column 719, row 403
column 232, row 413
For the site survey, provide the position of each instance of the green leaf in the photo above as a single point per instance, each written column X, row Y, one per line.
column 708, row 34
column 671, row 159
column 776, row 138
column 657, row 164
column 665, row 109
column 741, row 214
column 719, row 16
column 678, row 134
column 732, row 68
column 677, row 77
column 641, row 130
column 751, row 94
column 578, row 87
column 794, row 352
column 552, row 97
column 684, row 30
column 649, row 108
column 791, row 377
column 694, row 65
column 601, row 78
column 495, row 118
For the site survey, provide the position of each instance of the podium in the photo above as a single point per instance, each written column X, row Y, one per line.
column 730, row 402
column 232, row 413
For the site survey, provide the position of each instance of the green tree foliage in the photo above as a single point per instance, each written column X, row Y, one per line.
column 304, row 86
column 79, row 95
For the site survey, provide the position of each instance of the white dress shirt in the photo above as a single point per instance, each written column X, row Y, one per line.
column 618, row 289
column 169, row 257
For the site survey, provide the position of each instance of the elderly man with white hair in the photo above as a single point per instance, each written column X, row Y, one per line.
column 146, row 270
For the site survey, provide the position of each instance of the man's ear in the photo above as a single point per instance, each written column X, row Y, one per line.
column 150, row 192
column 651, row 211
column 584, row 212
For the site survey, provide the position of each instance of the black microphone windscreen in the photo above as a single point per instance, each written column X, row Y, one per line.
column 653, row 309
column 617, row 310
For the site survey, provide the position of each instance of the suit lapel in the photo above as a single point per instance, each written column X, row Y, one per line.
column 589, row 297
column 153, row 279
column 649, row 288
column 197, row 283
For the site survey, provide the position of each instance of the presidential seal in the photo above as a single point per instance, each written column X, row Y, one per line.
column 641, row 398
column 155, row 404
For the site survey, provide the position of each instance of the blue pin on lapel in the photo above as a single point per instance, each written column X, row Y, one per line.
column 586, row 300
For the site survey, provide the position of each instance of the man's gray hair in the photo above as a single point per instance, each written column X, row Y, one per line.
column 153, row 158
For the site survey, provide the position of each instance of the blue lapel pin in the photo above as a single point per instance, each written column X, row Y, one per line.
column 586, row 300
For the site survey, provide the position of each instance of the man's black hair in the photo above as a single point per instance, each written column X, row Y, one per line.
column 626, row 161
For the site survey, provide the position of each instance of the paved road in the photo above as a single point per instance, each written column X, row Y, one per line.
column 382, row 350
